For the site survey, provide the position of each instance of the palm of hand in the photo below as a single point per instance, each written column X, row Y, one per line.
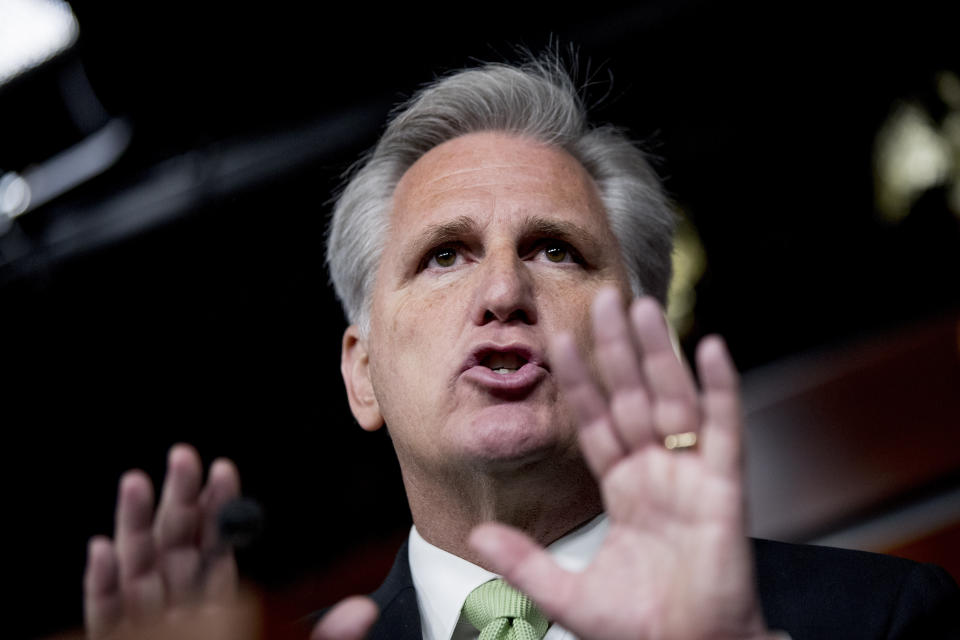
column 158, row 566
column 676, row 563
column 673, row 552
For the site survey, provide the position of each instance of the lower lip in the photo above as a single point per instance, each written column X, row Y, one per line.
column 516, row 382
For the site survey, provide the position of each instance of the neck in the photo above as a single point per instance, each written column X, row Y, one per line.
column 544, row 501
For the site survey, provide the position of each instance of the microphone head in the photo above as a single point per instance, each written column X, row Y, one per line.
column 240, row 522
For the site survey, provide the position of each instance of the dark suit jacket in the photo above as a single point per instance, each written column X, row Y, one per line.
column 813, row 593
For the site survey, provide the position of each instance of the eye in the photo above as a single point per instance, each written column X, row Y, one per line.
column 443, row 257
column 555, row 253
column 558, row 252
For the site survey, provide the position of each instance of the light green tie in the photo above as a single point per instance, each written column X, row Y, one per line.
column 501, row 612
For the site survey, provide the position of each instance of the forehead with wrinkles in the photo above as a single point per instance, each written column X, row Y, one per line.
column 472, row 165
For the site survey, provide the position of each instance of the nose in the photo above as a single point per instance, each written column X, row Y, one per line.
column 505, row 290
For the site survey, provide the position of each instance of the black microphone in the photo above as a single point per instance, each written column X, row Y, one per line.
column 240, row 522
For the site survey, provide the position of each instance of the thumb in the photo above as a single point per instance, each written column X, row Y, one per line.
column 350, row 619
column 524, row 564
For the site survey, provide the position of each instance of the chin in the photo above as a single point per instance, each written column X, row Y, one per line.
column 508, row 436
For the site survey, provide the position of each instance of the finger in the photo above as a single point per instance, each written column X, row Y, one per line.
column 177, row 519
column 141, row 585
column 619, row 366
column 177, row 524
column 525, row 565
column 673, row 393
column 721, row 437
column 600, row 444
column 350, row 619
column 223, row 485
column 102, row 604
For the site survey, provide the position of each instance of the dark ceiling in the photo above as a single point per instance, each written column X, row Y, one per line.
column 181, row 295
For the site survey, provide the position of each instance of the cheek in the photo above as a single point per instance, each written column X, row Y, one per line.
column 414, row 345
column 426, row 316
column 570, row 306
column 564, row 304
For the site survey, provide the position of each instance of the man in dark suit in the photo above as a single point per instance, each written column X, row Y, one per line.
column 814, row 592
column 486, row 254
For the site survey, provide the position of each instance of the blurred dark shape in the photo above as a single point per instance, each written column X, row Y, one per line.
column 241, row 522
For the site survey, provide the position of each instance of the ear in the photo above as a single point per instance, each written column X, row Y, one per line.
column 355, row 369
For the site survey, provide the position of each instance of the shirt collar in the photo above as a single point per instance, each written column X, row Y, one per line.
column 443, row 581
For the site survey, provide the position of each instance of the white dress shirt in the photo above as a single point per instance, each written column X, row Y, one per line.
column 443, row 581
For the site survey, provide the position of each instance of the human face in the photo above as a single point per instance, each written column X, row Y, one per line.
column 496, row 243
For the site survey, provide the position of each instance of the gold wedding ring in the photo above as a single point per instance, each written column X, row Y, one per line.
column 681, row 441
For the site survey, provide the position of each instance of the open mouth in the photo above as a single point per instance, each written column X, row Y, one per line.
column 503, row 363
column 510, row 371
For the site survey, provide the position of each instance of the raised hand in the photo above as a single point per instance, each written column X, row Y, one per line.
column 158, row 564
column 168, row 575
column 676, row 563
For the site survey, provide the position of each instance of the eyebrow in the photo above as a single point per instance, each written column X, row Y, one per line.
column 570, row 232
column 444, row 232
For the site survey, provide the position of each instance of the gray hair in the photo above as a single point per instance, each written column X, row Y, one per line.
column 537, row 99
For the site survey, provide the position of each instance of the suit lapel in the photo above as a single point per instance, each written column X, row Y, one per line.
column 397, row 599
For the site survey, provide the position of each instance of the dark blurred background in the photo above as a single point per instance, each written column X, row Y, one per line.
column 172, row 287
